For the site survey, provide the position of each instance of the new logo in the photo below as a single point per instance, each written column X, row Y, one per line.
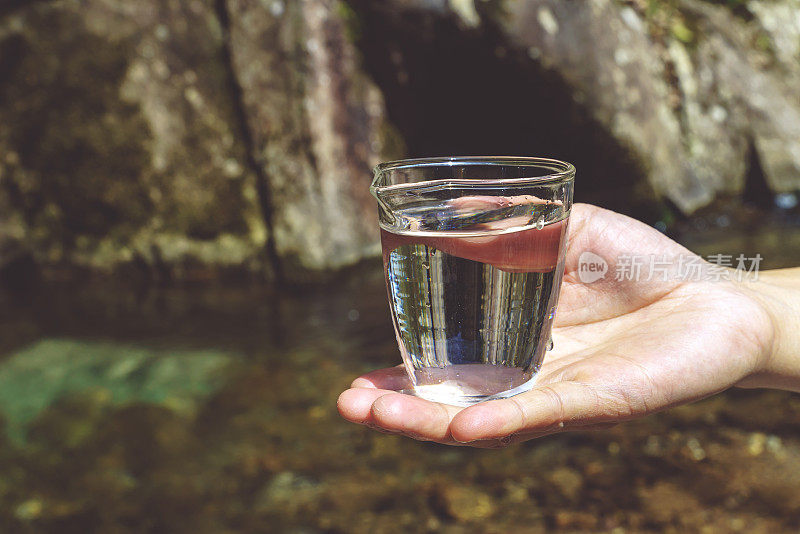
column 591, row 267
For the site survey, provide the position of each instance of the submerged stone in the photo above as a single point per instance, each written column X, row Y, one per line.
column 47, row 370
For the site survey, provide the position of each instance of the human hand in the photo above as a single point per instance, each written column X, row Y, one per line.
column 623, row 349
column 532, row 250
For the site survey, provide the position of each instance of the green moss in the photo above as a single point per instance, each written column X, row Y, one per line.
column 101, row 374
column 763, row 43
column 737, row 7
column 653, row 7
column 352, row 24
column 665, row 18
column 682, row 32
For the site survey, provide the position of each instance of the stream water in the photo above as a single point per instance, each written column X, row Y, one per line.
column 212, row 409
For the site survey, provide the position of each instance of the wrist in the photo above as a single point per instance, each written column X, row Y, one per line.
column 778, row 294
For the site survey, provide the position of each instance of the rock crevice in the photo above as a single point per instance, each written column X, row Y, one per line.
column 253, row 161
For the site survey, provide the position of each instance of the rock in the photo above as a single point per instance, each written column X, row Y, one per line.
column 604, row 53
column 665, row 503
column 122, row 139
column 763, row 94
column 695, row 449
column 465, row 503
column 767, row 478
column 755, row 443
column 286, row 491
column 568, row 481
column 697, row 95
column 316, row 123
column 71, row 421
column 693, row 142
column 581, row 521
column 451, row 88
column 775, row 446
column 35, row 376
column 187, row 138
column 780, row 21
column 516, row 493
column 653, row 446
column 14, row 254
column 29, row 510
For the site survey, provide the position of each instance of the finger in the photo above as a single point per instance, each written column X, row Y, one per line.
column 528, row 250
column 355, row 405
column 489, row 202
column 543, row 409
column 512, row 439
column 575, row 427
column 532, row 250
column 414, row 416
column 392, row 378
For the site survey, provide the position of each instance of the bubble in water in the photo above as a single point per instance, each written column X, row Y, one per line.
column 550, row 344
column 540, row 223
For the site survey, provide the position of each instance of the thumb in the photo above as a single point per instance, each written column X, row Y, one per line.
column 532, row 250
column 542, row 410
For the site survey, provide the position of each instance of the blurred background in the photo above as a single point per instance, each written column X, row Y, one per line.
column 189, row 268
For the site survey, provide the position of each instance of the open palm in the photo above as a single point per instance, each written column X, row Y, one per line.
column 624, row 347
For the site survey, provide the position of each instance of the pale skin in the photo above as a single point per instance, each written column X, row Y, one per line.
column 623, row 348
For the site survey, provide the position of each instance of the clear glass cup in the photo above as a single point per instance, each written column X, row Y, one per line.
column 473, row 252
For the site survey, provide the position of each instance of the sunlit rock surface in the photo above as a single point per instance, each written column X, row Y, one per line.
column 187, row 138
column 180, row 140
column 316, row 123
column 118, row 137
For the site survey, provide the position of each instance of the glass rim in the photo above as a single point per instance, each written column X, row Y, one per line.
column 563, row 171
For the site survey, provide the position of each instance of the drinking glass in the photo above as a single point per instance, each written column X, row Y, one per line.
column 473, row 253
